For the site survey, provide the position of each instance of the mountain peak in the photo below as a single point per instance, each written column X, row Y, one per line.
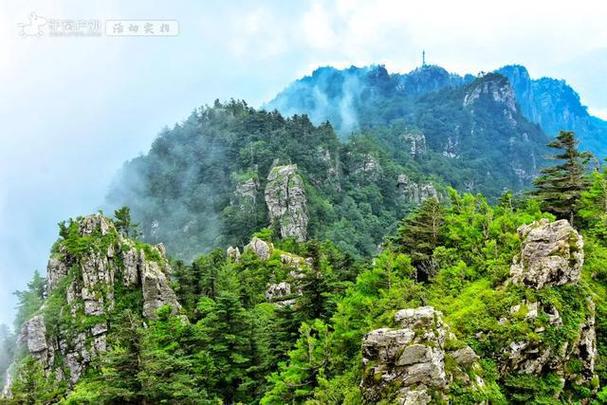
column 494, row 87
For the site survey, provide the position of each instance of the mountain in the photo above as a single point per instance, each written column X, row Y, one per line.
column 356, row 98
column 513, row 310
column 229, row 170
column 271, row 261
column 205, row 182
column 555, row 106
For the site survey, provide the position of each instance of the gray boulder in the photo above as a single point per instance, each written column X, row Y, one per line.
column 261, row 248
column 552, row 253
column 401, row 365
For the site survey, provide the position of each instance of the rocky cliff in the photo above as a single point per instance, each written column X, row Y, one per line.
column 286, row 200
column 406, row 365
column 551, row 257
column 556, row 106
column 541, row 327
column 93, row 267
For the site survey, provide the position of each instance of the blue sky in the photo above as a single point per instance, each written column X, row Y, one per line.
column 74, row 108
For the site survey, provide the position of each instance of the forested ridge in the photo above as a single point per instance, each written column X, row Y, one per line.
column 445, row 250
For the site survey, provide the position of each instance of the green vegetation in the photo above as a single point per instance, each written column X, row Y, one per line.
column 560, row 187
column 237, row 340
column 201, row 185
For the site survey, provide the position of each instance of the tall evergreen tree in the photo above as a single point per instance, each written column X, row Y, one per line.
column 559, row 188
column 419, row 234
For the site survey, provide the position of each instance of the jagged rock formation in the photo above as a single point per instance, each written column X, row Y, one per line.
column 551, row 256
column 233, row 253
column 407, row 365
column 279, row 293
column 416, row 141
column 86, row 266
column 260, row 247
column 499, row 90
column 286, row 291
column 415, row 192
column 245, row 195
column 286, row 201
column 555, row 106
column 368, row 166
column 552, row 253
column 537, row 357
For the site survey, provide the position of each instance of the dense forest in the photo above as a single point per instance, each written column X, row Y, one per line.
column 202, row 183
column 504, row 302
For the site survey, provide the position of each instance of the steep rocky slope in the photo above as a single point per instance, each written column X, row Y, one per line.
column 556, row 106
column 93, row 273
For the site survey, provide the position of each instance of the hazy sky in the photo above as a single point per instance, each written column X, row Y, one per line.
column 72, row 109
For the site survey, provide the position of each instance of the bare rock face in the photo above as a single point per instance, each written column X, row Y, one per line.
column 286, row 201
column 416, row 142
column 414, row 192
column 233, row 253
column 285, row 292
column 498, row 89
column 260, row 247
column 33, row 338
column 157, row 290
column 537, row 357
column 245, row 194
column 279, row 293
column 552, row 253
column 404, row 365
column 83, row 275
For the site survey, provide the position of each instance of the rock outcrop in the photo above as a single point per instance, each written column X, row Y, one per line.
column 407, row 365
column 260, row 247
column 552, row 253
column 493, row 86
column 286, row 201
column 416, row 141
column 233, row 253
column 286, row 291
column 33, row 338
column 83, row 273
column 538, row 357
column 415, row 192
column 245, row 195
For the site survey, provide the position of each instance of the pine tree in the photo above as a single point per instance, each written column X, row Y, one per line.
column 560, row 187
column 124, row 223
column 226, row 336
column 419, row 234
column 29, row 300
column 593, row 205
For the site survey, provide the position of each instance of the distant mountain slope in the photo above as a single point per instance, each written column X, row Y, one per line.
column 474, row 123
column 210, row 181
column 355, row 98
column 555, row 106
column 207, row 182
